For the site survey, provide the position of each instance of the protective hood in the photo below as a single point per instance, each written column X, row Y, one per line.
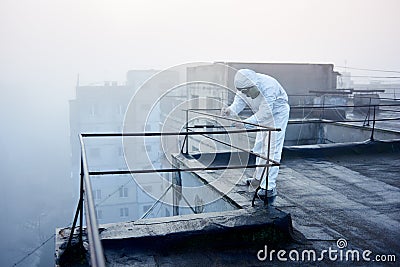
column 245, row 78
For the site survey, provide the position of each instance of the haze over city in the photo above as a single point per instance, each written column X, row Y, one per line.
column 47, row 44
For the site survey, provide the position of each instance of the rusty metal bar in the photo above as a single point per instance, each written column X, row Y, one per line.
column 389, row 110
column 201, row 126
column 170, row 133
column 366, row 120
column 96, row 249
column 185, row 199
column 258, row 188
column 344, row 106
column 266, row 176
column 300, row 121
column 214, row 168
column 82, row 190
column 373, row 127
column 79, row 212
column 183, row 144
column 262, row 175
column 187, row 130
column 230, row 119
column 155, row 203
column 241, row 149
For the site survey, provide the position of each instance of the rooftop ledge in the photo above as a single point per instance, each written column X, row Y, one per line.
column 247, row 225
column 322, row 209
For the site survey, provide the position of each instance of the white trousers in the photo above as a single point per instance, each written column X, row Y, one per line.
column 281, row 117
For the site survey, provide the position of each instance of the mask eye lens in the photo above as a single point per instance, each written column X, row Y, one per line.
column 244, row 90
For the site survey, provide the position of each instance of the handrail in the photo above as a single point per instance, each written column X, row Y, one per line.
column 171, row 133
column 96, row 249
column 344, row 106
column 215, row 168
column 303, row 121
column 243, row 150
column 86, row 196
column 267, row 128
column 86, row 199
column 352, row 96
column 231, row 119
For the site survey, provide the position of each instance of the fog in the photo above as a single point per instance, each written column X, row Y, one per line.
column 45, row 44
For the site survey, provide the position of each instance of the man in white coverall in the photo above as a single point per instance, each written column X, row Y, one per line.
column 269, row 103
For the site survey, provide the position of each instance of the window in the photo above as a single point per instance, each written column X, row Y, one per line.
column 195, row 101
column 99, row 214
column 97, row 194
column 119, row 110
column 123, row 192
column 209, row 102
column 146, row 208
column 123, row 212
column 148, row 148
column 94, row 110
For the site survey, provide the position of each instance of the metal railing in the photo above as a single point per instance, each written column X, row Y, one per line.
column 366, row 111
column 371, row 111
column 86, row 201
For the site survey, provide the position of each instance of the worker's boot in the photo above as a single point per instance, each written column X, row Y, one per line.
column 269, row 194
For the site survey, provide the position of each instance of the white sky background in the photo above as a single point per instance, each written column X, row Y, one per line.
column 49, row 40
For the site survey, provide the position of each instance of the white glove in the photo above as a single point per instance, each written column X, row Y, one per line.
column 225, row 112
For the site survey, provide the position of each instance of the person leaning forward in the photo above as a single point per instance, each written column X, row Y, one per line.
column 269, row 102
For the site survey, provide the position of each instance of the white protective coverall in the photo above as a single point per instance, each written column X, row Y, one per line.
column 271, row 109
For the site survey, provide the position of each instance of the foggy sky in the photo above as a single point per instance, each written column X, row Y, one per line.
column 46, row 43
column 63, row 38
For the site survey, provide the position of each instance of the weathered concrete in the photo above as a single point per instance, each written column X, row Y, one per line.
column 235, row 228
column 246, row 229
column 350, row 195
column 349, row 191
column 345, row 197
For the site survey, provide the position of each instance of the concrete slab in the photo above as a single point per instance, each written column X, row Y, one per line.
column 356, row 206
column 348, row 196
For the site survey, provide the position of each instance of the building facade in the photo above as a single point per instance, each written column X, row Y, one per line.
column 102, row 109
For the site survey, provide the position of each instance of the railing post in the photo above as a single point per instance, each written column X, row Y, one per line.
column 79, row 212
column 369, row 110
column 187, row 130
column 266, row 176
column 366, row 120
column 176, row 192
column 92, row 228
column 373, row 126
column 265, row 170
column 81, row 191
